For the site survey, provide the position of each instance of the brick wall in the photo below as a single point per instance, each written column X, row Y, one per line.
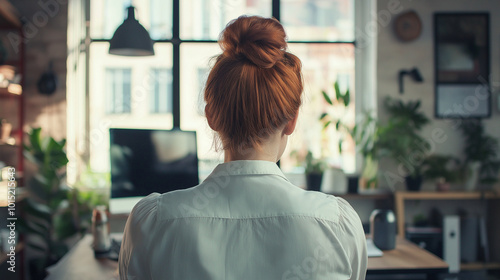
column 46, row 40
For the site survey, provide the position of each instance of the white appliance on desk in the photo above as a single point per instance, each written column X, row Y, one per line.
column 451, row 242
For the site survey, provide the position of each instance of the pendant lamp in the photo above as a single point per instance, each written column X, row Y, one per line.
column 131, row 38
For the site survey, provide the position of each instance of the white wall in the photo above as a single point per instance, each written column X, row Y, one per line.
column 394, row 55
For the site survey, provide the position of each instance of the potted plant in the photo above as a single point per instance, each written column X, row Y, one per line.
column 443, row 169
column 314, row 172
column 481, row 150
column 399, row 139
column 336, row 116
column 363, row 133
column 55, row 213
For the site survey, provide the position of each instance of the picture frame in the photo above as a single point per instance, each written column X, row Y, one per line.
column 462, row 65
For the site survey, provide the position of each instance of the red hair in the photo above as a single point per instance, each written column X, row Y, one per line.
column 255, row 85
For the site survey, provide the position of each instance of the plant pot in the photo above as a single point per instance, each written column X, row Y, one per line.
column 413, row 183
column 472, row 173
column 442, row 185
column 352, row 184
column 313, row 181
column 334, row 181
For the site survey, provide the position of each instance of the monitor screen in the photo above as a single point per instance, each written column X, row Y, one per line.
column 149, row 160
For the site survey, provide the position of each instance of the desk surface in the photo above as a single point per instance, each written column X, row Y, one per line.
column 406, row 258
column 80, row 263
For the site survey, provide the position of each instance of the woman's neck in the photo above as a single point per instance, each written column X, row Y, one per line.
column 251, row 154
column 270, row 149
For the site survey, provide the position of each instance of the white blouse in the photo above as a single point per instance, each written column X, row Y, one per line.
column 245, row 221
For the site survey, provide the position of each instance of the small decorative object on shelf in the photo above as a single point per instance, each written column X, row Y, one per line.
column 5, row 129
column 441, row 168
column 334, row 181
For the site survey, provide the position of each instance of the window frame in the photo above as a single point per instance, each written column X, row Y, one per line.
column 79, row 133
column 176, row 42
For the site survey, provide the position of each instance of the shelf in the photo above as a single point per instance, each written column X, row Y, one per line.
column 479, row 266
column 353, row 196
column 456, row 195
column 401, row 196
column 4, row 257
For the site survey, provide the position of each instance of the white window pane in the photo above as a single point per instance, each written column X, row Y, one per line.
column 117, row 90
column 322, row 65
column 160, row 26
column 140, row 82
column 195, row 60
column 318, row 20
column 161, row 97
column 205, row 19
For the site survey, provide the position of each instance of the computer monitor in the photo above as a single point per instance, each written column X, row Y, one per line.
column 150, row 160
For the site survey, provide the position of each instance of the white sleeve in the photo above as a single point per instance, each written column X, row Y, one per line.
column 355, row 242
column 133, row 262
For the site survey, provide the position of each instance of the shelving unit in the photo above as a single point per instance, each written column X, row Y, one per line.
column 353, row 196
column 10, row 25
column 401, row 197
column 12, row 108
column 493, row 227
column 478, row 266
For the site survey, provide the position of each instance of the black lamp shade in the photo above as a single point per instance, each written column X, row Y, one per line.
column 131, row 38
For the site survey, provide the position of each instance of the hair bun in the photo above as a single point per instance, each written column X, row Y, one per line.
column 260, row 40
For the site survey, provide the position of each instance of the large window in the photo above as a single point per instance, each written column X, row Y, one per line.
column 166, row 90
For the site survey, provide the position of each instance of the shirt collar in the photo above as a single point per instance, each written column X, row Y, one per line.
column 247, row 167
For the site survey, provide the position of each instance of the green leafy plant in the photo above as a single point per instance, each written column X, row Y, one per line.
column 400, row 138
column 313, row 165
column 54, row 212
column 337, row 115
column 441, row 166
column 482, row 148
column 363, row 133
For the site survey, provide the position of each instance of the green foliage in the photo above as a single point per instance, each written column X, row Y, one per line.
column 314, row 165
column 365, row 134
column 54, row 211
column 339, row 105
column 481, row 147
column 441, row 166
column 400, row 138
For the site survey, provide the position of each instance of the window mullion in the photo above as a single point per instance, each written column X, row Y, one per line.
column 176, row 65
column 276, row 10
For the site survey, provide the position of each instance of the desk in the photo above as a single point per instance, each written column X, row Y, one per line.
column 80, row 263
column 407, row 258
